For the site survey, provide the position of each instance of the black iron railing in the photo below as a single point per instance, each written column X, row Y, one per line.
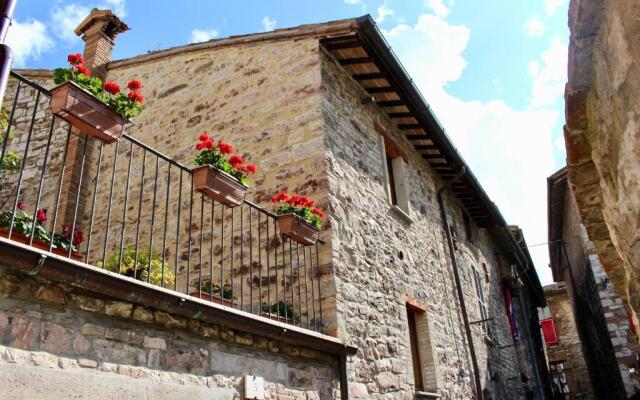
column 130, row 209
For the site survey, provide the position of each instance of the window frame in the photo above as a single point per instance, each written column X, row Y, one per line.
column 395, row 177
column 421, row 347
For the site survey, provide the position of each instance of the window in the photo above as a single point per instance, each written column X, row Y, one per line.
column 484, row 316
column 558, row 377
column 421, row 351
column 395, row 178
column 467, row 227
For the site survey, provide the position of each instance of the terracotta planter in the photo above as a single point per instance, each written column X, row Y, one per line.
column 219, row 186
column 84, row 111
column 297, row 229
column 214, row 299
column 38, row 244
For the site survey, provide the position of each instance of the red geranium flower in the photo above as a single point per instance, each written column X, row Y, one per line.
column 235, row 160
column 317, row 212
column 41, row 215
column 280, row 197
column 111, row 87
column 203, row 137
column 134, row 85
column 208, row 144
column 75, row 59
column 251, row 168
column 225, row 148
column 21, row 205
column 78, row 237
column 82, row 69
column 135, row 95
column 200, row 146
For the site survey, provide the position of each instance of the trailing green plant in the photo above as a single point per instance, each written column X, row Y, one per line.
column 213, row 154
column 127, row 105
column 213, row 288
column 11, row 161
column 137, row 265
column 299, row 205
column 24, row 222
column 279, row 309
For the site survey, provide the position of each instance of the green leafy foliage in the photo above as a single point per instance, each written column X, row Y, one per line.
column 24, row 222
column 227, row 290
column 302, row 212
column 11, row 161
column 279, row 309
column 218, row 161
column 138, row 265
column 119, row 102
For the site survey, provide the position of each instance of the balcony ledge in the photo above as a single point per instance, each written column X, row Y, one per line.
column 59, row 269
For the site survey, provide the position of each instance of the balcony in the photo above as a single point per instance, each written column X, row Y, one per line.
column 128, row 215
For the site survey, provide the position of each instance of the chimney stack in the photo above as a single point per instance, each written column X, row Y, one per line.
column 99, row 30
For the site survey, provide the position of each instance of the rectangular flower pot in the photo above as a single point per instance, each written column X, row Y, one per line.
column 87, row 113
column 297, row 229
column 39, row 244
column 219, row 186
column 214, row 299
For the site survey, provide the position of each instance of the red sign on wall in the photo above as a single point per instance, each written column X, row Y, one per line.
column 549, row 331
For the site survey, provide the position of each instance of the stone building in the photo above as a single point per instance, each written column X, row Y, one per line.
column 418, row 288
column 601, row 134
column 609, row 343
column 567, row 365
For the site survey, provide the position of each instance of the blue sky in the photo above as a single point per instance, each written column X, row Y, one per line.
column 493, row 70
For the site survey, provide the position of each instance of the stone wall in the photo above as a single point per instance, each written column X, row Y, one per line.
column 603, row 150
column 80, row 342
column 609, row 345
column 568, row 350
column 380, row 259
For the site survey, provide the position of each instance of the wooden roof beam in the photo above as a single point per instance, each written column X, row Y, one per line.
column 369, row 76
column 390, row 103
column 409, row 126
column 400, row 115
column 357, row 60
column 385, row 89
column 344, row 44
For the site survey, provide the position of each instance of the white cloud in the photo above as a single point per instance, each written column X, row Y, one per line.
column 353, row 2
column 65, row 19
column 201, row 35
column 549, row 75
column 551, row 6
column 268, row 24
column 438, row 7
column 533, row 27
column 383, row 12
column 28, row 40
column 117, row 6
column 509, row 150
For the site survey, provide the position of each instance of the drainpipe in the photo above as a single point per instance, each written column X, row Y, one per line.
column 456, row 275
column 344, row 380
column 6, row 10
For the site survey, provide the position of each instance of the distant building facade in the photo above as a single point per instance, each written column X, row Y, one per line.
column 603, row 323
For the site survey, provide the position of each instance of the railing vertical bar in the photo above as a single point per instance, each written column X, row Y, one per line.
column 175, row 267
column 213, row 219
column 166, row 221
column 306, row 286
column 93, row 203
column 24, row 162
column 266, row 249
column 259, row 263
column 135, row 254
column 153, row 219
column 241, row 258
column 189, row 244
column 124, row 208
column 60, row 182
column 319, row 288
column 41, row 183
column 231, row 271
column 222, row 254
column 106, row 233
column 201, row 244
column 313, row 290
column 284, row 280
column 291, row 282
column 299, row 284
column 251, row 260
column 275, row 264
column 75, row 210
column 10, row 122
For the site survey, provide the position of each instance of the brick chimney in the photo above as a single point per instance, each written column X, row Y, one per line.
column 99, row 30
